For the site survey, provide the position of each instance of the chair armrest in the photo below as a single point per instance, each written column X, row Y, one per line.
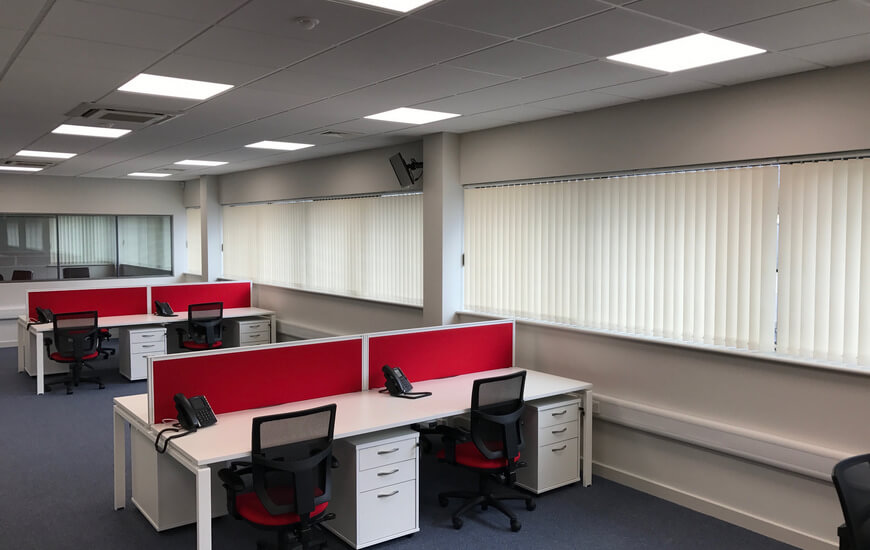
column 232, row 478
column 334, row 462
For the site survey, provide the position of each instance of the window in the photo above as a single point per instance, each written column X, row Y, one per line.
column 55, row 246
column 194, row 241
column 368, row 247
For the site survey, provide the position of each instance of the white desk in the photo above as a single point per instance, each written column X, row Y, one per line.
column 357, row 413
column 30, row 341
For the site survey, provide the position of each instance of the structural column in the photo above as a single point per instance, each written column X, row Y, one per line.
column 442, row 229
column 210, row 227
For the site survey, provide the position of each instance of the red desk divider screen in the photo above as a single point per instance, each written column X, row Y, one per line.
column 181, row 296
column 106, row 301
column 240, row 379
column 442, row 351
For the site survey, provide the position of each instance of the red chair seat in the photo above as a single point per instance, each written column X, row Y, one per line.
column 66, row 359
column 469, row 455
column 248, row 506
column 200, row 346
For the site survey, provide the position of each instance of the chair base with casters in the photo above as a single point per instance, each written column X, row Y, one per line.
column 104, row 336
column 74, row 377
column 485, row 496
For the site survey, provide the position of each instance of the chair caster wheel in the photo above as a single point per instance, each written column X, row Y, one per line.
column 442, row 501
column 102, row 386
column 516, row 525
column 457, row 523
column 68, row 391
column 530, row 504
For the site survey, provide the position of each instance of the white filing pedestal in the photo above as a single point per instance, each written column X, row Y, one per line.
column 552, row 451
column 375, row 488
column 136, row 345
column 247, row 332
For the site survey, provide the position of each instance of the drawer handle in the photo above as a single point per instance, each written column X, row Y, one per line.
column 563, row 430
column 149, row 345
column 562, row 448
column 559, row 413
column 254, row 326
column 393, row 450
column 389, row 495
column 388, row 473
column 147, row 335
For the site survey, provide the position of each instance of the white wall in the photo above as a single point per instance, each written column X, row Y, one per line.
column 33, row 194
column 748, row 440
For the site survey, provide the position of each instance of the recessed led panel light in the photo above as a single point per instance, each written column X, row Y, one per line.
column 411, row 116
column 688, row 52
column 20, row 168
column 280, row 145
column 403, row 6
column 92, row 131
column 44, row 154
column 173, row 87
column 148, row 174
column 201, row 162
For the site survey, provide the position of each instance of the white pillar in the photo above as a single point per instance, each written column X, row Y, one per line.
column 210, row 227
column 442, row 229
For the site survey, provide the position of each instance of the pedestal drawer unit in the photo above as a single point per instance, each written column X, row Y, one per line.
column 375, row 488
column 552, row 451
column 137, row 344
column 247, row 332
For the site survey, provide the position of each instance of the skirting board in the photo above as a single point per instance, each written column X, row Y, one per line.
column 8, row 343
column 710, row 508
column 301, row 332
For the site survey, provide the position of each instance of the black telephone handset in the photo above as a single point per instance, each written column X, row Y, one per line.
column 194, row 413
column 398, row 385
column 44, row 315
column 163, row 309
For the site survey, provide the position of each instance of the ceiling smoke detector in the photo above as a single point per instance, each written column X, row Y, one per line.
column 307, row 23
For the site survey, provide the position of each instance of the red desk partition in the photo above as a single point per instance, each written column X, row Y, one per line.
column 232, row 294
column 106, row 301
column 441, row 352
column 239, row 379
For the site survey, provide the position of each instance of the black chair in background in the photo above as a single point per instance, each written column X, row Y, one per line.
column 76, row 273
column 286, row 486
column 204, row 327
column 22, row 275
column 75, row 338
column 491, row 448
column 852, row 481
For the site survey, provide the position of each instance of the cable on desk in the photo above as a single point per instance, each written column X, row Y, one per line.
column 173, row 428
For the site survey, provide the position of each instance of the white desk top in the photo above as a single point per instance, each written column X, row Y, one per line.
column 357, row 413
column 149, row 319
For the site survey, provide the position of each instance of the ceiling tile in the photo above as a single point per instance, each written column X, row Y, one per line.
column 65, row 143
column 76, row 19
column 20, row 14
column 386, row 53
column 363, row 126
column 521, row 18
column 519, row 59
column 803, row 27
column 458, row 125
column 210, row 70
column 338, row 22
column 87, row 54
column 835, row 52
column 248, row 47
column 608, row 33
column 756, row 67
column 657, row 87
column 306, row 86
column 706, row 15
column 524, row 113
column 584, row 101
column 205, row 11
column 9, row 40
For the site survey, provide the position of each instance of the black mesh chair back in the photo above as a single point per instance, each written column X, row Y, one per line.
column 496, row 408
column 22, row 275
column 76, row 272
column 75, row 338
column 852, row 481
column 204, row 326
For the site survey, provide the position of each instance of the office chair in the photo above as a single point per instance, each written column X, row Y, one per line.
column 286, row 486
column 491, row 448
column 103, row 336
column 852, row 481
column 75, row 338
column 76, row 273
column 22, row 275
column 204, row 327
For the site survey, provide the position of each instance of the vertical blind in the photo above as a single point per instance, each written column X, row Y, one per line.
column 145, row 241
column 368, row 247
column 194, row 241
column 86, row 240
column 688, row 255
column 824, row 266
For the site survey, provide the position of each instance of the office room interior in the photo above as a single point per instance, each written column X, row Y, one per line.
column 743, row 433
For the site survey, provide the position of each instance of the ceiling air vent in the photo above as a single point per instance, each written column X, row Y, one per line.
column 27, row 163
column 123, row 117
column 335, row 134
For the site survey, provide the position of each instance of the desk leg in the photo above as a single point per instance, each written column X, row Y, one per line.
column 273, row 338
column 203, row 508
column 39, row 354
column 587, row 438
column 120, row 454
column 23, row 341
